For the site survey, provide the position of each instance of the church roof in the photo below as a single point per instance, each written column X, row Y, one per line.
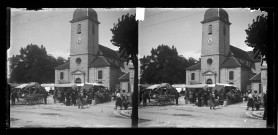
column 124, row 77
column 256, row 77
column 80, row 14
column 107, row 52
column 63, row 66
column 101, row 61
column 213, row 14
column 232, row 62
column 238, row 53
column 197, row 66
column 252, row 56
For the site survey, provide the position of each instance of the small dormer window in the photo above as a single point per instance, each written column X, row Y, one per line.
column 210, row 30
column 79, row 29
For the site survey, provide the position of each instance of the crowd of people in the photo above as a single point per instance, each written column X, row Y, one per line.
column 254, row 100
column 204, row 97
column 122, row 100
column 80, row 97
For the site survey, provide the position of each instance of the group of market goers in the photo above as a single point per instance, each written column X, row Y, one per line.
column 206, row 97
column 80, row 97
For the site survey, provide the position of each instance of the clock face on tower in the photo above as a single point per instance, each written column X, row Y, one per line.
column 209, row 41
column 78, row 40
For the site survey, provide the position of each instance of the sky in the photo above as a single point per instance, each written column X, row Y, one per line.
column 51, row 28
column 168, row 26
column 183, row 29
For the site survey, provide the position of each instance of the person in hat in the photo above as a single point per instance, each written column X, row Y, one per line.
column 119, row 100
column 45, row 95
column 250, row 102
column 79, row 99
column 177, row 97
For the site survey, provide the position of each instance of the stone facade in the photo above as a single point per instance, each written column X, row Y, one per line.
column 65, row 79
column 89, row 61
column 225, row 78
column 218, row 57
column 264, row 78
column 197, row 77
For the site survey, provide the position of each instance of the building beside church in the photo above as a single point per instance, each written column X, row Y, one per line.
column 89, row 61
column 221, row 62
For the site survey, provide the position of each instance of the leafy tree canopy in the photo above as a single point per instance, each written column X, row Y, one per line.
column 257, row 36
column 164, row 65
column 125, row 36
column 33, row 65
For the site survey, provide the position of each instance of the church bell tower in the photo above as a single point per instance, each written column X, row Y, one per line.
column 84, row 43
column 215, row 44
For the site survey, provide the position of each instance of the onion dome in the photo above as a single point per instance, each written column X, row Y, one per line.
column 213, row 14
column 84, row 13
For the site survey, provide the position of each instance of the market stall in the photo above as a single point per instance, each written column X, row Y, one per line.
column 32, row 93
column 164, row 94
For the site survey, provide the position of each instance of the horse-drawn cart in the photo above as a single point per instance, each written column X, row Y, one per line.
column 164, row 100
column 33, row 93
column 163, row 94
column 33, row 99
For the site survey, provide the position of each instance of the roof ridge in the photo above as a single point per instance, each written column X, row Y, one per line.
column 123, row 75
column 236, row 61
column 254, row 76
column 105, row 60
column 193, row 65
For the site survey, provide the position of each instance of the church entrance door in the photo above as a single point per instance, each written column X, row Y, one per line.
column 77, row 80
column 209, row 81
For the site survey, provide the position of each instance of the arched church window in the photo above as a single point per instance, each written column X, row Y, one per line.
column 192, row 76
column 79, row 29
column 78, row 60
column 61, row 75
column 210, row 30
column 209, row 61
column 231, row 75
column 100, row 74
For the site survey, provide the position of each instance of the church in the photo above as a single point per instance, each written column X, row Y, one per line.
column 221, row 62
column 89, row 61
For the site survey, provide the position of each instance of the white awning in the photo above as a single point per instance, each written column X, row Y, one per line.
column 178, row 85
column 223, row 84
column 95, row 84
column 22, row 86
column 153, row 86
column 196, row 86
column 48, row 85
column 65, row 85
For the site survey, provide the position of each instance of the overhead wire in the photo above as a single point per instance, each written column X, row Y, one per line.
column 158, row 13
column 42, row 19
column 170, row 20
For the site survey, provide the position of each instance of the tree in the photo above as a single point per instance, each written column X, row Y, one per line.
column 33, row 65
column 164, row 65
column 260, row 37
column 125, row 36
column 257, row 38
